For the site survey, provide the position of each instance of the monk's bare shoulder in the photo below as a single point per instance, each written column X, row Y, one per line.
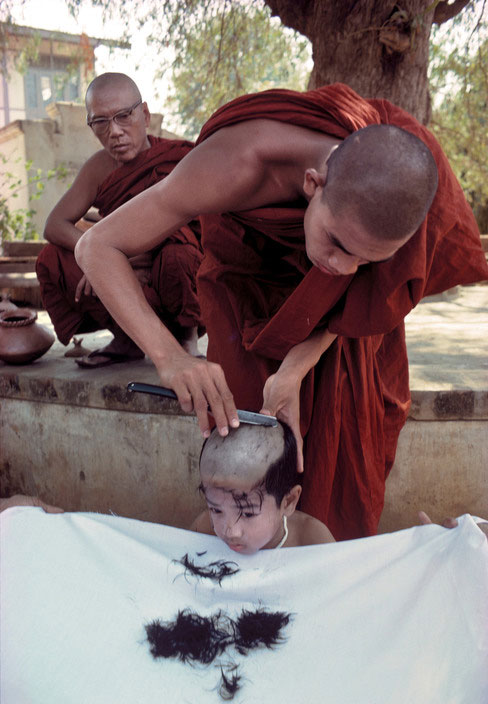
column 271, row 141
column 247, row 165
column 99, row 166
column 202, row 524
column 310, row 531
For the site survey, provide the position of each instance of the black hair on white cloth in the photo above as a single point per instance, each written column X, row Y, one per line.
column 193, row 638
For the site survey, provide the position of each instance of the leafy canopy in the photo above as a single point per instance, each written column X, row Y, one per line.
column 459, row 84
column 243, row 52
column 211, row 51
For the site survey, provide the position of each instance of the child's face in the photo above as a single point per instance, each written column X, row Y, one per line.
column 245, row 525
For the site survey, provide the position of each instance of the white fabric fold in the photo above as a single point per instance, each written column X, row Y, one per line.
column 397, row 618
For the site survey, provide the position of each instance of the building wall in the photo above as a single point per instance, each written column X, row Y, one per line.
column 12, row 100
column 62, row 58
column 12, row 150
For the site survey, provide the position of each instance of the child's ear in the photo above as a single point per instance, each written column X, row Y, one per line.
column 290, row 500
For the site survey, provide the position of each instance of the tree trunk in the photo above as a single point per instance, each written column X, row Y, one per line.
column 378, row 47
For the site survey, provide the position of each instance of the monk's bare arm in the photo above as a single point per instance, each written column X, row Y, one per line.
column 60, row 225
column 219, row 175
column 302, row 357
column 222, row 174
column 281, row 394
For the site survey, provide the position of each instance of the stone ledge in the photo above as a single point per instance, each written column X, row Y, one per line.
column 447, row 349
column 109, row 391
column 455, row 404
column 70, row 387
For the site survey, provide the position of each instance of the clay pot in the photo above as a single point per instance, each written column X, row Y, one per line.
column 22, row 339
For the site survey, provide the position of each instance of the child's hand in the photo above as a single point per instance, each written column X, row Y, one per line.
column 447, row 522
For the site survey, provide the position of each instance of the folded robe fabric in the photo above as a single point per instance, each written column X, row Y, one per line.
column 394, row 618
column 172, row 288
column 260, row 296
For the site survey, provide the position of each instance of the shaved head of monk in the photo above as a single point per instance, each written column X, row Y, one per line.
column 368, row 200
column 117, row 115
column 384, row 177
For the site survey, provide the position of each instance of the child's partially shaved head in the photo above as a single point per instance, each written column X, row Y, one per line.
column 243, row 456
column 251, row 456
column 252, row 487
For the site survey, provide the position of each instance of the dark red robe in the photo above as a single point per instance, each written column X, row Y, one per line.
column 172, row 288
column 260, row 296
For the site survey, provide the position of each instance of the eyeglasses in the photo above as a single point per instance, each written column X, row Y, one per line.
column 123, row 118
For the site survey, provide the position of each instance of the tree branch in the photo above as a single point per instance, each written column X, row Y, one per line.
column 293, row 14
column 446, row 10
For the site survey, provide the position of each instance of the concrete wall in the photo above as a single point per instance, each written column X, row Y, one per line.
column 441, row 468
column 144, row 464
column 87, row 459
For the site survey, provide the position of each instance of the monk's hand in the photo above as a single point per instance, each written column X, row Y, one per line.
column 21, row 500
column 451, row 523
column 84, row 288
column 446, row 523
column 281, row 398
column 201, row 387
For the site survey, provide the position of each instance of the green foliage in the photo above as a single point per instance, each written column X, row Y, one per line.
column 459, row 84
column 29, row 54
column 241, row 50
column 17, row 223
column 210, row 51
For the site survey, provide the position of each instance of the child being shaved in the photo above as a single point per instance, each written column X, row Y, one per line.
column 250, row 482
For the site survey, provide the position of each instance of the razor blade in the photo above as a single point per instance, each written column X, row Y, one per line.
column 244, row 416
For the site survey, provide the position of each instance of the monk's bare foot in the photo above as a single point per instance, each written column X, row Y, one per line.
column 120, row 349
column 189, row 341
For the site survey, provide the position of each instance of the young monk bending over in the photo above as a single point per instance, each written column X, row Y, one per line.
column 251, row 485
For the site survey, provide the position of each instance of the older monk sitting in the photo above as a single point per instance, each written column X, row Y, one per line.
column 130, row 161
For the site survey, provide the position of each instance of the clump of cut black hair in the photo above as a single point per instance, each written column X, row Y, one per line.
column 229, row 683
column 283, row 475
column 216, row 571
column 193, row 638
column 189, row 638
column 260, row 628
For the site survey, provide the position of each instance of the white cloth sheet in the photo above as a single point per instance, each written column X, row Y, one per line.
column 393, row 619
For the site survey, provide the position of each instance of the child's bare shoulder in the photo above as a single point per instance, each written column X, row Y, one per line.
column 309, row 530
column 203, row 524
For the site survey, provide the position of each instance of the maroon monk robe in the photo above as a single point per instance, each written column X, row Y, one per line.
column 172, row 288
column 260, row 296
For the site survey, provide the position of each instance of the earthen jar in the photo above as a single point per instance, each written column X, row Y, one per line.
column 22, row 340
